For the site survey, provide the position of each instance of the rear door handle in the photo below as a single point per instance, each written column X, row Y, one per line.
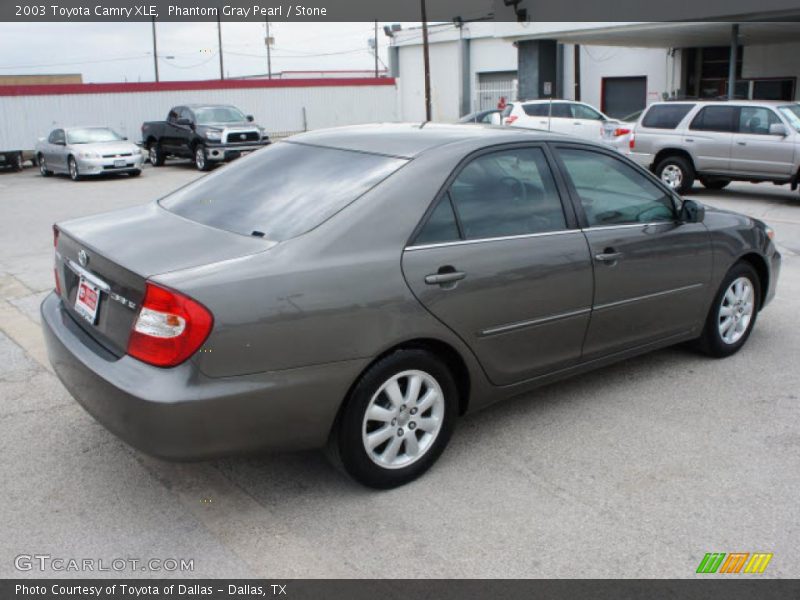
column 608, row 256
column 742, row 143
column 448, row 277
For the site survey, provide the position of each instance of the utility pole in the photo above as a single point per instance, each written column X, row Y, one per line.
column 376, row 49
column 219, row 39
column 155, row 49
column 732, row 61
column 269, row 50
column 426, row 60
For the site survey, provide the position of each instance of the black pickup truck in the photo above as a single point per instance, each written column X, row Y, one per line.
column 206, row 133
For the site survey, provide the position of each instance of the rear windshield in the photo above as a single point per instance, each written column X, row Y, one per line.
column 666, row 116
column 281, row 191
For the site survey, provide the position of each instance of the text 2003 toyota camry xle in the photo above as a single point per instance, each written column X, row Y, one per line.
column 360, row 288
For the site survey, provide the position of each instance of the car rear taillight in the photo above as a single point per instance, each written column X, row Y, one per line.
column 511, row 119
column 632, row 140
column 55, row 236
column 621, row 131
column 169, row 328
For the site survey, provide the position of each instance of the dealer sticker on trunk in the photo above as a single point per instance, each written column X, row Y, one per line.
column 87, row 300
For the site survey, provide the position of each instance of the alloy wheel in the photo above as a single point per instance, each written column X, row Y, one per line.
column 403, row 419
column 736, row 310
column 200, row 158
column 152, row 153
column 73, row 169
column 42, row 166
column 672, row 175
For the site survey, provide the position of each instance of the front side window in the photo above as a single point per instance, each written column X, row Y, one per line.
column 715, row 118
column 56, row 136
column 614, row 193
column 505, row 193
column 756, row 119
column 666, row 116
column 579, row 111
column 281, row 191
column 561, row 110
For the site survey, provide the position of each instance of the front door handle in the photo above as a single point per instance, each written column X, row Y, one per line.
column 444, row 277
column 742, row 143
column 608, row 256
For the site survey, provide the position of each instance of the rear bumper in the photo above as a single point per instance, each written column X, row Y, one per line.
column 181, row 414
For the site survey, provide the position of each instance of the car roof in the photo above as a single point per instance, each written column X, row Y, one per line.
column 407, row 140
column 723, row 102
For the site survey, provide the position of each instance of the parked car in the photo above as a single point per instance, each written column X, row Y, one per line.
column 360, row 288
column 566, row 117
column 206, row 133
column 87, row 151
column 718, row 142
column 492, row 116
column 11, row 159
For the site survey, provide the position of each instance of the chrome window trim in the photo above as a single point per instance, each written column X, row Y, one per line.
column 532, row 322
column 627, row 225
column 492, row 239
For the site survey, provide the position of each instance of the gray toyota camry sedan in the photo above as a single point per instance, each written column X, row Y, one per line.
column 359, row 289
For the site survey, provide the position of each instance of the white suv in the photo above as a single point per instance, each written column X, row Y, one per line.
column 567, row 117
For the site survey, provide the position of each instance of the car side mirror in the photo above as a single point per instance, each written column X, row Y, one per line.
column 250, row 118
column 691, row 211
column 778, row 129
column 184, row 122
column 495, row 119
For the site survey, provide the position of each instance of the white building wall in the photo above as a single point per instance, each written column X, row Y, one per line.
column 24, row 119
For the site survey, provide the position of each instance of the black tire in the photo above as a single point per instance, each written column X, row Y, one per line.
column 711, row 341
column 201, row 161
column 347, row 449
column 677, row 164
column 714, row 184
column 135, row 173
column 155, row 154
column 43, row 170
column 72, row 167
column 18, row 162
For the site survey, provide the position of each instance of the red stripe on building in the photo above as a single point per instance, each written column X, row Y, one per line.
column 178, row 86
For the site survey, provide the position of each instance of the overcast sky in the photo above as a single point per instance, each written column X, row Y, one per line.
column 104, row 52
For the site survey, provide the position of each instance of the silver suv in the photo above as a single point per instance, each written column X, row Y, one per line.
column 719, row 141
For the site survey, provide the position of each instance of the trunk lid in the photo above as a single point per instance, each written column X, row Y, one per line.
column 116, row 252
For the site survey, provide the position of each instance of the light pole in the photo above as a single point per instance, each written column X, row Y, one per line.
column 155, row 49
column 219, row 41
column 426, row 61
column 268, row 41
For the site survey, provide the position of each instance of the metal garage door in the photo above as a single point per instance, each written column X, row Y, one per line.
column 622, row 96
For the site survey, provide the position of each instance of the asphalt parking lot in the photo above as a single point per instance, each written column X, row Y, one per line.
column 636, row 470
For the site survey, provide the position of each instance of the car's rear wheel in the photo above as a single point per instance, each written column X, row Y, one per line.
column 676, row 172
column 72, row 164
column 201, row 161
column 155, row 154
column 45, row 172
column 397, row 420
column 733, row 313
column 714, row 184
column 18, row 162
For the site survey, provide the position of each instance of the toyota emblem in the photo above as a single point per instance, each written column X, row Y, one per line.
column 242, row 137
column 83, row 258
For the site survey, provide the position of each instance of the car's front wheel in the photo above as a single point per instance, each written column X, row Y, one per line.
column 676, row 172
column 733, row 313
column 155, row 155
column 18, row 162
column 201, row 161
column 397, row 420
column 72, row 164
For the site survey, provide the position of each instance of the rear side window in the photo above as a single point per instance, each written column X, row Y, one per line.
column 535, row 110
column 666, row 116
column 579, row 111
column 441, row 225
column 505, row 193
column 281, row 191
column 507, row 110
column 715, row 118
